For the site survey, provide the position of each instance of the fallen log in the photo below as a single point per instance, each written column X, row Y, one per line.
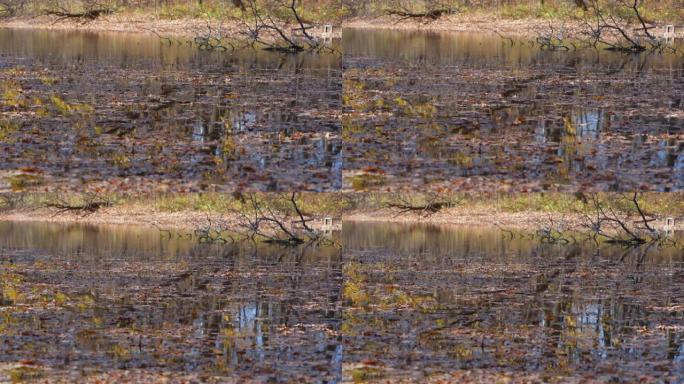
column 429, row 208
column 88, row 15
column 85, row 209
column 432, row 14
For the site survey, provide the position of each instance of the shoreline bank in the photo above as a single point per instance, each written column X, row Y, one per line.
column 176, row 211
column 137, row 216
column 190, row 220
column 141, row 23
column 464, row 23
column 135, row 23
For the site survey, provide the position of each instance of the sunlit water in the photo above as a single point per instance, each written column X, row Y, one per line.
column 78, row 300
column 437, row 108
column 425, row 301
column 397, row 302
column 137, row 107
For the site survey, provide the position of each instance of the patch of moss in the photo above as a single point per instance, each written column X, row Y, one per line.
column 22, row 181
column 355, row 294
column 362, row 374
column 24, row 373
column 12, row 95
column 366, row 180
column 7, row 128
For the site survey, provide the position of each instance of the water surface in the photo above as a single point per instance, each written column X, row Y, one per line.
column 411, row 302
column 91, row 301
column 476, row 111
column 117, row 110
column 431, row 303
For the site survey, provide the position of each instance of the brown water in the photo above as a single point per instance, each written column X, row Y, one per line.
column 485, row 49
column 81, row 300
column 409, row 302
column 476, row 112
column 431, row 303
column 128, row 111
column 134, row 50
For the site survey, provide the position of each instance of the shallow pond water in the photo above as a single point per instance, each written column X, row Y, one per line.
column 398, row 302
column 129, row 111
column 431, row 303
column 89, row 302
column 475, row 112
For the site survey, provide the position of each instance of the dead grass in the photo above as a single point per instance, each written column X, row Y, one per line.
column 183, row 211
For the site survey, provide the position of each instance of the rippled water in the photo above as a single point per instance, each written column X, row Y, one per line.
column 398, row 302
column 138, row 50
column 448, row 110
column 80, row 300
column 129, row 108
column 475, row 111
column 431, row 302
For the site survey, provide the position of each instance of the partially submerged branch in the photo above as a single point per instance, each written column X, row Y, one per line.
column 553, row 232
column 91, row 203
column 431, row 203
column 554, row 38
column 622, row 28
column 275, row 219
column 618, row 26
column 629, row 226
column 604, row 222
column 273, row 25
column 214, row 231
column 277, row 27
column 214, row 39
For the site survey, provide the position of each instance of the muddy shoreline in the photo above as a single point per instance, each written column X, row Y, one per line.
column 468, row 23
column 137, row 216
column 142, row 23
column 114, row 23
column 189, row 220
column 131, row 23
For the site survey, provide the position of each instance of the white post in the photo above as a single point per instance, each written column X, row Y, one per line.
column 669, row 31
column 327, row 31
column 669, row 224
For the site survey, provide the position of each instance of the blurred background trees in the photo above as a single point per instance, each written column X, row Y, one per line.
column 337, row 10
